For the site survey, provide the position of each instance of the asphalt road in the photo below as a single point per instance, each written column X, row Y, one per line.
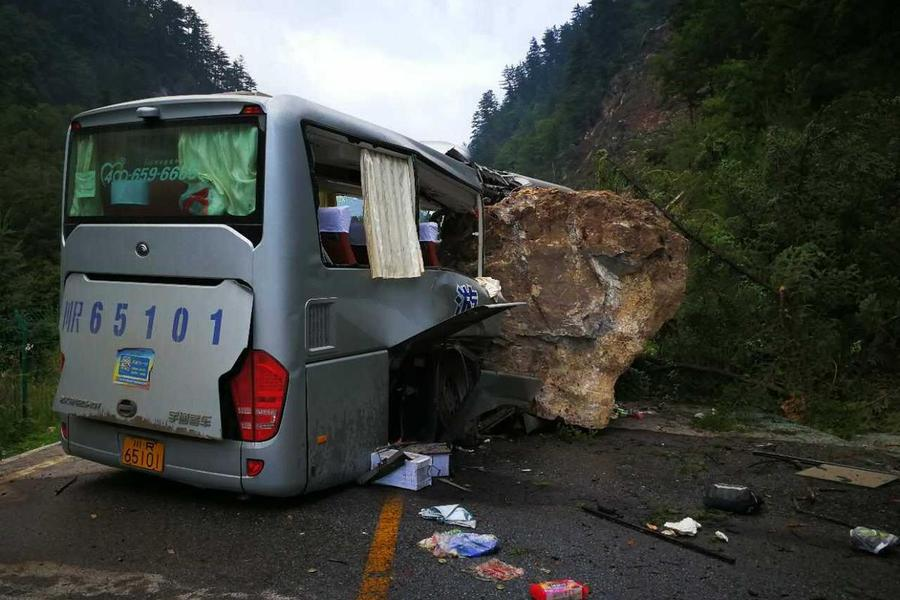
column 114, row 533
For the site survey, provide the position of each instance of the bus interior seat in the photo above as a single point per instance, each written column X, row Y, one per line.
column 429, row 238
column 334, row 234
column 358, row 241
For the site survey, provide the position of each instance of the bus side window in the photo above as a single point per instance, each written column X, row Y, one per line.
column 429, row 239
column 341, row 231
column 457, row 249
column 358, row 241
column 334, row 235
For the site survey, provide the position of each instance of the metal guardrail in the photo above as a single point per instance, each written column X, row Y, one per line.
column 28, row 344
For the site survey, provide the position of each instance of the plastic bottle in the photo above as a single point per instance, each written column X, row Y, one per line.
column 559, row 589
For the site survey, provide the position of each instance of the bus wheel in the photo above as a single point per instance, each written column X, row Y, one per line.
column 453, row 377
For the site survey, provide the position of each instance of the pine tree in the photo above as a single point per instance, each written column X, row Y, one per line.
column 487, row 108
column 510, row 82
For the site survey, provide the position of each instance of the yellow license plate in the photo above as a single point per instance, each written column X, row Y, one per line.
column 143, row 453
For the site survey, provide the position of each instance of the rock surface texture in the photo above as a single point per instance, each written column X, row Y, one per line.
column 601, row 273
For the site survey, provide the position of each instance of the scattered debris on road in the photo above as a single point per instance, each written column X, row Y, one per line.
column 559, row 589
column 456, row 543
column 731, row 498
column 387, row 463
column 411, row 473
column 616, row 518
column 496, row 570
column 449, row 514
column 439, row 453
column 61, row 489
column 410, row 466
column 687, row 526
column 872, row 540
column 635, row 413
column 451, row 483
column 829, row 471
column 853, row 476
column 721, row 536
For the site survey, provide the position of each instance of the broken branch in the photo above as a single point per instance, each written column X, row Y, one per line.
column 686, row 545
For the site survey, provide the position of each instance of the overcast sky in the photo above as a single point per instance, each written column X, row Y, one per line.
column 415, row 66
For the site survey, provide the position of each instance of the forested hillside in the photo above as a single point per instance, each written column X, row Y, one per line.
column 59, row 57
column 775, row 144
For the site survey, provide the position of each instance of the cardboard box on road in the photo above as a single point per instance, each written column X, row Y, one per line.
column 414, row 474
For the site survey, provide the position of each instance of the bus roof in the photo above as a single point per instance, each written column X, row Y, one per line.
column 306, row 111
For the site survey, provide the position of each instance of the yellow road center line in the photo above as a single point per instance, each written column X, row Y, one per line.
column 376, row 580
column 22, row 473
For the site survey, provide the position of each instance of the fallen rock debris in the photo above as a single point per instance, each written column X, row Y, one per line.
column 600, row 273
column 456, row 543
column 496, row 570
column 449, row 514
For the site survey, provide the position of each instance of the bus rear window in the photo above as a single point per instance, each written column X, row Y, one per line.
column 164, row 171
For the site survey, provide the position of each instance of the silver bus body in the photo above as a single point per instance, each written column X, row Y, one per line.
column 138, row 318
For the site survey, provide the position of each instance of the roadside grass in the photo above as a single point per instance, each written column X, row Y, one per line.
column 18, row 434
column 719, row 420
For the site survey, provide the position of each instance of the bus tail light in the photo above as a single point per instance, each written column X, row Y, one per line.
column 258, row 392
column 254, row 467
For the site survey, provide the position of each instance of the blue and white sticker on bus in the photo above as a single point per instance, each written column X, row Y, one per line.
column 133, row 367
column 95, row 318
column 466, row 298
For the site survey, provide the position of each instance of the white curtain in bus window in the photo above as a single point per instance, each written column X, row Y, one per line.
column 389, row 197
column 221, row 165
column 85, row 200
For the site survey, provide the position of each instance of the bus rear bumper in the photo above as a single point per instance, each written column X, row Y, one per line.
column 213, row 464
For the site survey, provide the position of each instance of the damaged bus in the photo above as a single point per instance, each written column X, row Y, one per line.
column 253, row 295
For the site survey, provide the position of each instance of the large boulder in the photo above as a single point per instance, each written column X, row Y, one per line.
column 601, row 273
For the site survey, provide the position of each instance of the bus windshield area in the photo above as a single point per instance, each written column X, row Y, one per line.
column 169, row 171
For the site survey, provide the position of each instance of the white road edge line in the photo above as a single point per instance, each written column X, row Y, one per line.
column 16, row 457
